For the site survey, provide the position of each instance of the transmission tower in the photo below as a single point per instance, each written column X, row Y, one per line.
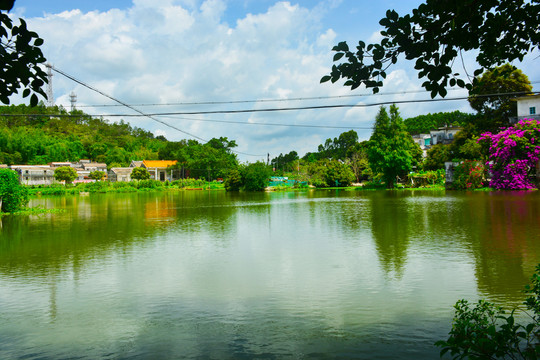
column 73, row 99
column 50, row 95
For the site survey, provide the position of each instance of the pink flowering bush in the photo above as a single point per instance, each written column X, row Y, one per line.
column 514, row 153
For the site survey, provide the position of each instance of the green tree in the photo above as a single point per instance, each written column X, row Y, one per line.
column 338, row 148
column 338, row 174
column 65, row 173
column 13, row 195
column 358, row 161
column 140, row 173
column 97, row 175
column 20, row 59
column 255, row 176
column 497, row 109
column 465, row 145
column 437, row 155
column 435, row 34
column 390, row 145
column 287, row 162
column 233, row 181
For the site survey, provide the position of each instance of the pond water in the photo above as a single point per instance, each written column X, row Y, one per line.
column 283, row 275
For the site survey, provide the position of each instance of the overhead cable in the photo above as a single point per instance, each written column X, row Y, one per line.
column 137, row 110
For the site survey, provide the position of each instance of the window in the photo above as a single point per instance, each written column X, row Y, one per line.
column 532, row 110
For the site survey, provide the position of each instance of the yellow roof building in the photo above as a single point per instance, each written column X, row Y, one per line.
column 159, row 164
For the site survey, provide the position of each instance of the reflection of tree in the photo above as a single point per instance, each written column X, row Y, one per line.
column 97, row 226
column 508, row 243
column 390, row 227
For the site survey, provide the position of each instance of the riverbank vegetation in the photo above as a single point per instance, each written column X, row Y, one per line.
column 123, row 187
column 487, row 331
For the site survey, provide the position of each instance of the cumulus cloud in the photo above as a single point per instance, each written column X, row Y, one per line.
column 184, row 51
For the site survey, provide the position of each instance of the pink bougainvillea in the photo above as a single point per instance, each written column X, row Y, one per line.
column 514, row 154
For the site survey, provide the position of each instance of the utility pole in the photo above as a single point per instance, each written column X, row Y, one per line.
column 73, row 100
column 50, row 94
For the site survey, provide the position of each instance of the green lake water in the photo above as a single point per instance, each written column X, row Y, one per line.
column 283, row 275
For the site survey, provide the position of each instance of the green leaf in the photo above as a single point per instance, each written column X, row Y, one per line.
column 38, row 42
column 325, row 78
column 33, row 100
column 342, row 46
column 338, row 56
column 26, row 92
column 460, row 83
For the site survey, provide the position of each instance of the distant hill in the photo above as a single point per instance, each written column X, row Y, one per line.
column 28, row 135
column 422, row 124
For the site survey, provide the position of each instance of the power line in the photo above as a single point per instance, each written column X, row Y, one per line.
column 175, row 115
column 271, row 124
column 230, row 102
column 137, row 110
column 315, row 107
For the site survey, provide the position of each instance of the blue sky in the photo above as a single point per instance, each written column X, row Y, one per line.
column 193, row 51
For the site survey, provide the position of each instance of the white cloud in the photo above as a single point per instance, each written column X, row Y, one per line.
column 159, row 132
column 375, row 37
column 185, row 51
column 327, row 39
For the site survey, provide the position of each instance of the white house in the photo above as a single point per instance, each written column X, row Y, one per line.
column 35, row 174
column 528, row 107
column 444, row 135
column 424, row 141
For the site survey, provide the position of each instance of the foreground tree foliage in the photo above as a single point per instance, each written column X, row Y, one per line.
column 486, row 331
column 435, row 34
column 13, row 195
column 20, row 58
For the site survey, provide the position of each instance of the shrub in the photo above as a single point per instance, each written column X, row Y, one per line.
column 485, row 331
column 97, row 175
column 255, row 176
column 149, row 184
column 338, row 174
column 233, row 181
column 13, row 195
column 140, row 173
column 426, row 178
column 514, row 153
column 468, row 175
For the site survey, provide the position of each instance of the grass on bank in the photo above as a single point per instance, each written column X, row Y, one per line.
column 123, row 187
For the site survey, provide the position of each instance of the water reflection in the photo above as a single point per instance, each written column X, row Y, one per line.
column 97, row 226
column 506, row 249
column 320, row 274
column 392, row 221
